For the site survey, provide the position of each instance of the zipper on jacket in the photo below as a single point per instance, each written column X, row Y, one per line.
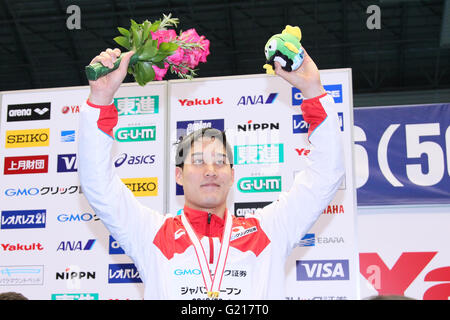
column 211, row 243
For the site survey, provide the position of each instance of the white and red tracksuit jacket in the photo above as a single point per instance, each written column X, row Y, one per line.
column 159, row 244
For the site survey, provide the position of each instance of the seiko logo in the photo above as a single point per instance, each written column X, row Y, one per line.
column 27, row 138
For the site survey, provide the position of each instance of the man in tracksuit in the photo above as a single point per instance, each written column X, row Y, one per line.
column 206, row 252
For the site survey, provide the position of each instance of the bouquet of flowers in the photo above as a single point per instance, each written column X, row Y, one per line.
column 157, row 50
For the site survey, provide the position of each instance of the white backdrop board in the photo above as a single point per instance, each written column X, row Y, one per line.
column 52, row 244
column 261, row 115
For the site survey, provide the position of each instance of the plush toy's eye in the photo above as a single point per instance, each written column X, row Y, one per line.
column 273, row 45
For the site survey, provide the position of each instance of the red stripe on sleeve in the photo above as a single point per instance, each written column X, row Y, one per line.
column 108, row 117
column 313, row 112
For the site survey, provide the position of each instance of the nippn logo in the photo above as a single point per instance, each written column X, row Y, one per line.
column 27, row 138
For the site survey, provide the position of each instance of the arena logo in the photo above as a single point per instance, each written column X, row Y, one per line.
column 142, row 105
column 250, row 126
column 123, row 273
column 135, row 134
column 26, row 164
column 200, row 102
column 70, row 109
column 257, row 99
column 314, row 270
column 142, row 187
column 77, row 245
column 77, row 217
column 134, row 160
column 243, row 208
column 27, row 138
column 23, row 219
column 259, row 184
column 35, row 246
column 30, row 111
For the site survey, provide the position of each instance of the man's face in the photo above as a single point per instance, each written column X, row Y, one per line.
column 207, row 175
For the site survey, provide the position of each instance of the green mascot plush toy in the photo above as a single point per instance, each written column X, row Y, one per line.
column 284, row 48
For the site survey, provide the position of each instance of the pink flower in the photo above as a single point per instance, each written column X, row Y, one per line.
column 160, row 73
column 177, row 57
column 164, row 36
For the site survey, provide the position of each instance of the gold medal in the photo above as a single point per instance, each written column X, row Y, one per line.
column 213, row 294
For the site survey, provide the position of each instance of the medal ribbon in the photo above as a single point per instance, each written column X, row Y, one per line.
column 212, row 284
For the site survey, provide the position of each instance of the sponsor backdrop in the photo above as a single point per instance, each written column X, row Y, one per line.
column 52, row 246
column 266, row 130
column 403, row 180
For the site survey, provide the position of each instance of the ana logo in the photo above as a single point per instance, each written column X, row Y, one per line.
column 250, row 126
column 67, row 162
column 259, row 184
column 70, row 109
column 299, row 125
column 133, row 160
column 240, row 231
column 123, row 273
column 200, row 102
column 114, row 246
column 76, row 245
column 259, row 154
column 23, row 219
column 129, row 106
column 142, row 187
column 243, row 208
column 67, row 135
column 133, row 134
column 334, row 209
column 31, row 111
column 27, row 138
column 335, row 90
column 35, row 246
column 257, row 99
column 26, row 164
column 311, row 270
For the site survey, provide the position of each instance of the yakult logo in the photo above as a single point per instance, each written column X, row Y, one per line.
column 200, row 102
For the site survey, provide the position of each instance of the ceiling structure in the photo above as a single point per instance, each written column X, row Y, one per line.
column 409, row 52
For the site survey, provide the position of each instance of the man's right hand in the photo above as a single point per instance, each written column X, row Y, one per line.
column 104, row 88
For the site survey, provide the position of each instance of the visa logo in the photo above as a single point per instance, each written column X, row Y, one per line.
column 258, row 99
column 123, row 273
column 299, row 125
column 310, row 270
column 67, row 162
column 335, row 90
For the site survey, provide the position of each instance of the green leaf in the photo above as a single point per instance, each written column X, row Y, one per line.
column 160, row 56
column 123, row 41
column 155, row 26
column 124, row 32
column 146, row 30
column 136, row 39
column 168, row 47
column 148, row 71
column 147, row 51
column 139, row 74
column 160, row 64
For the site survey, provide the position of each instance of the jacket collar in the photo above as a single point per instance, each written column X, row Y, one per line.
column 202, row 227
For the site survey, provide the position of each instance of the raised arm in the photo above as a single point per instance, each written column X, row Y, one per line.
column 293, row 214
column 130, row 223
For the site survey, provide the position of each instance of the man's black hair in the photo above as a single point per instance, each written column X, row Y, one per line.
column 184, row 144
